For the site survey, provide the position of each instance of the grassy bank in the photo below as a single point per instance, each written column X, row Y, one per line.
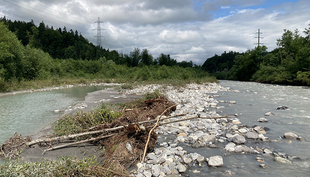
column 175, row 76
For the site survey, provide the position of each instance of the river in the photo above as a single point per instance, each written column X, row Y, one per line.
column 28, row 113
column 253, row 101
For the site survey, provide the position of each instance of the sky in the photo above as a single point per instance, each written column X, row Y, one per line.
column 186, row 29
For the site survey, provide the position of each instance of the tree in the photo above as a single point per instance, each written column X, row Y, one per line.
column 146, row 58
column 135, row 57
column 11, row 55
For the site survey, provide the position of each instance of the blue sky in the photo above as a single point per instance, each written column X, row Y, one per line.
column 186, row 29
column 226, row 10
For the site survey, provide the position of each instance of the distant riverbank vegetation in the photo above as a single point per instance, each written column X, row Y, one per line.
column 289, row 63
column 34, row 57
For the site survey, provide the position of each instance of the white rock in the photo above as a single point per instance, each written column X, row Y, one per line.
column 267, row 151
column 238, row 139
column 215, row 161
column 139, row 165
column 129, row 148
column 269, row 114
column 56, row 111
column 236, row 122
column 290, row 135
column 262, row 119
column 282, row 160
column 155, row 170
column 251, row 135
column 147, row 174
column 181, row 168
column 230, row 147
column 243, row 130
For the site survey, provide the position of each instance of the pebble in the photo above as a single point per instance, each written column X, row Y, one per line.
column 269, row 114
column 263, row 165
column 262, row 119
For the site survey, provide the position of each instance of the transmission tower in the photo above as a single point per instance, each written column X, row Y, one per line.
column 99, row 29
column 259, row 37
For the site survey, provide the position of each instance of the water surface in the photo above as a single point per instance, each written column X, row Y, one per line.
column 28, row 113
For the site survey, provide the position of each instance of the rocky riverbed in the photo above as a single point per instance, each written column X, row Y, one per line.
column 170, row 157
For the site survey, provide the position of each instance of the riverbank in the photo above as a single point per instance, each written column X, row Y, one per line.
column 23, row 91
column 93, row 100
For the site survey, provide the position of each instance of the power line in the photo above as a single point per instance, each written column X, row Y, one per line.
column 259, row 37
column 99, row 31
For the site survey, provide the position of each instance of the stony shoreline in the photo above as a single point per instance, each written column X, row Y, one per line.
column 56, row 88
column 170, row 159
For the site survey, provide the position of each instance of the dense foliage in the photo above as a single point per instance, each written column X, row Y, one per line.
column 19, row 63
column 289, row 63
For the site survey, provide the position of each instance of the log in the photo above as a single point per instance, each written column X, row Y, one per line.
column 197, row 117
column 66, row 137
column 78, row 142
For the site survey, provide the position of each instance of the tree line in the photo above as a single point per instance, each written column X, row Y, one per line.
column 289, row 63
column 25, row 65
column 62, row 43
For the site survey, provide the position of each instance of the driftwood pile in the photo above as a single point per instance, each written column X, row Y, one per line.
column 12, row 147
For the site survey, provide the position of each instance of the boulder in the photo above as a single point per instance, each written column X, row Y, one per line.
column 230, row 147
column 282, row 160
column 251, row 135
column 290, row 135
column 208, row 138
column 238, row 139
column 215, row 161
column 243, row 130
column 260, row 130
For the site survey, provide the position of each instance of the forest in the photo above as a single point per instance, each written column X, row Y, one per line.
column 289, row 63
column 68, row 44
column 29, row 54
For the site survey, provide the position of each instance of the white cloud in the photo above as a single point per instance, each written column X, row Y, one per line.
column 196, row 50
column 170, row 27
column 225, row 7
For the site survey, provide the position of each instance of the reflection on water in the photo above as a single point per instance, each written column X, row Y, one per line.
column 28, row 113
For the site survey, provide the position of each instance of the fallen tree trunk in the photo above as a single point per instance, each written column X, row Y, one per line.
column 197, row 117
column 66, row 137
column 78, row 142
